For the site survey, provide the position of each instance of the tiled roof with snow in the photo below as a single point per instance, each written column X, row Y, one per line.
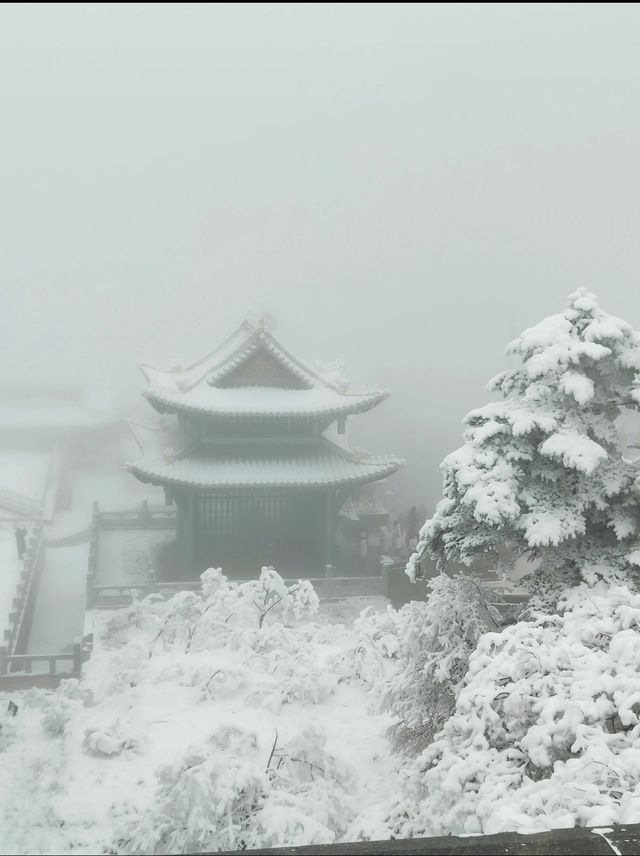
column 176, row 376
column 266, row 401
column 195, row 387
column 234, row 465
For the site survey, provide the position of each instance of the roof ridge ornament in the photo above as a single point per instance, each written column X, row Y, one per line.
column 262, row 322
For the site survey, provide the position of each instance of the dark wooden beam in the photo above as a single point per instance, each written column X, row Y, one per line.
column 578, row 841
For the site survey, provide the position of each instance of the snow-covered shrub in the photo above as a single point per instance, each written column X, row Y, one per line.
column 214, row 678
column 227, row 612
column 35, row 697
column 174, row 671
column 436, row 637
column 7, row 731
column 141, row 615
column 111, row 740
column 290, row 678
column 311, row 797
column 204, row 802
column 546, row 731
column 244, row 617
column 128, row 663
column 71, row 688
column 214, row 584
column 56, row 713
column 233, row 793
column 271, row 592
column 543, row 470
column 376, row 640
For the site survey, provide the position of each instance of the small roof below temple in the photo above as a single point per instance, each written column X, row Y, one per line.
column 252, row 375
column 310, row 464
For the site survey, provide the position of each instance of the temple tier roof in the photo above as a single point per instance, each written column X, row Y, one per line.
column 227, row 466
column 274, row 402
column 252, row 375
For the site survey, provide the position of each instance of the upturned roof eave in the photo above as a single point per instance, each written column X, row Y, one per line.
column 373, row 473
column 353, row 403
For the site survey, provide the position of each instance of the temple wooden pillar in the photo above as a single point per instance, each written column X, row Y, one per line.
column 329, row 528
column 186, row 533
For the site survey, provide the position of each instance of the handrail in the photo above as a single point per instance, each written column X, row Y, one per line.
column 623, row 839
column 29, row 579
column 109, row 596
column 11, row 663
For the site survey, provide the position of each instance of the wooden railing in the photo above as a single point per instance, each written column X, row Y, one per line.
column 595, row 841
column 327, row 588
column 24, row 602
column 112, row 596
column 20, row 671
column 391, row 582
column 144, row 516
column 400, row 590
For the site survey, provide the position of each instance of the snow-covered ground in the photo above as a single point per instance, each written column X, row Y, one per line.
column 59, row 612
column 284, row 709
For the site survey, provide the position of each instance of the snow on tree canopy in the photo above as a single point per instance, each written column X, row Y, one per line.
column 546, row 732
column 543, row 469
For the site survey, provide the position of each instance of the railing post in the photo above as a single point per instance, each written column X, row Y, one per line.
column 152, row 583
column 90, row 594
column 329, row 586
column 144, row 515
column 386, row 580
column 77, row 657
column 3, row 660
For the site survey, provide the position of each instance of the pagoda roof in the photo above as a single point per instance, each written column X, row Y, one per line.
column 206, row 387
column 219, row 465
column 263, row 401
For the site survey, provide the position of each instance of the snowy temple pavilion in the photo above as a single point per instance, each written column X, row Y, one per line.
column 258, row 465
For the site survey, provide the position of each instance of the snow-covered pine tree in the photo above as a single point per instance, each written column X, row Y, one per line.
column 543, row 471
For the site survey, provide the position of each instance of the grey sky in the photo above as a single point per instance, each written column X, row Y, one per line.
column 403, row 187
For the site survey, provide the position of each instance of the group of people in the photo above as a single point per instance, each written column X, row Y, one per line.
column 401, row 540
column 398, row 544
column 397, row 540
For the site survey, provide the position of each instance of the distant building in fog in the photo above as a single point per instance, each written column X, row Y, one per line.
column 257, row 464
column 42, row 433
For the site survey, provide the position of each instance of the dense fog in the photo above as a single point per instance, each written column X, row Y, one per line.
column 257, row 588
column 405, row 189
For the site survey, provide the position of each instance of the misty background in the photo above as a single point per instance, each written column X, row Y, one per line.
column 404, row 188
